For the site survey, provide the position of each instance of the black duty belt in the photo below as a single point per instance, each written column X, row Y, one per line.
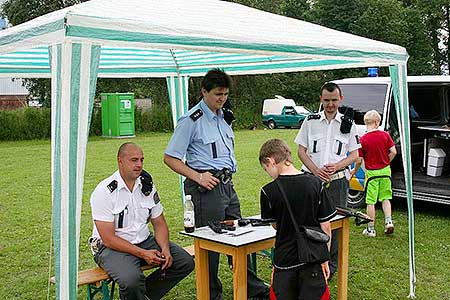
column 224, row 175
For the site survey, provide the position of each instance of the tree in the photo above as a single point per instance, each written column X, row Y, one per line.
column 20, row 11
column 421, row 61
column 339, row 15
column 389, row 21
column 435, row 16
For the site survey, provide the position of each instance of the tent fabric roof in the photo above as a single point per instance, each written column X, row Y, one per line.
column 171, row 37
column 155, row 38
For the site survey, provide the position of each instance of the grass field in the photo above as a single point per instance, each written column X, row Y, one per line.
column 378, row 268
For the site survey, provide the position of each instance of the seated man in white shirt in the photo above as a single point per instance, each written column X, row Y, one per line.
column 122, row 206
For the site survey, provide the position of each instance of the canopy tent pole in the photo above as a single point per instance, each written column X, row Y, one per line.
column 400, row 89
column 74, row 68
column 178, row 96
column 178, row 87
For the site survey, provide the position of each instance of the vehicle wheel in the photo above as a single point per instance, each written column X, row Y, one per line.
column 355, row 199
column 300, row 123
column 271, row 124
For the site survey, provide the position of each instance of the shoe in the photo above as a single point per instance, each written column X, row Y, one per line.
column 369, row 233
column 388, row 228
column 264, row 295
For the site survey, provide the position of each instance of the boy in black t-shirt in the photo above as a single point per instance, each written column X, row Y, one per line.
column 311, row 206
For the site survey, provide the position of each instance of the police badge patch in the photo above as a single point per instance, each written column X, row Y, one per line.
column 156, row 198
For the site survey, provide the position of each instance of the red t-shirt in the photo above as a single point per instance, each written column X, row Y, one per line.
column 374, row 149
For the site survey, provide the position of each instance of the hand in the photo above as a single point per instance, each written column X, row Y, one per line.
column 154, row 258
column 326, row 270
column 323, row 174
column 330, row 168
column 207, row 180
column 165, row 253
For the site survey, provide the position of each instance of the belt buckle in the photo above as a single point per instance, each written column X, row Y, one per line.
column 225, row 175
column 337, row 175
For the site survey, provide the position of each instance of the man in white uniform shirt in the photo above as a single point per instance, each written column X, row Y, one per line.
column 122, row 206
column 327, row 144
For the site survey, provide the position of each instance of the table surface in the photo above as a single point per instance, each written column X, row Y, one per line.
column 241, row 236
column 442, row 128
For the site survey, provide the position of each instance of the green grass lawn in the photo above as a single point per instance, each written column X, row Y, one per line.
column 378, row 268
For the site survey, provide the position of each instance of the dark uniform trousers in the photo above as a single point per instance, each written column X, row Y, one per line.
column 305, row 283
column 338, row 191
column 221, row 203
column 125, row 269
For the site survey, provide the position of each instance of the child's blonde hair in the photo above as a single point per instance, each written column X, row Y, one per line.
column 371, row 117
column 276, row 149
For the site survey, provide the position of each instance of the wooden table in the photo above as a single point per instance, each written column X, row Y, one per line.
column 260, row 238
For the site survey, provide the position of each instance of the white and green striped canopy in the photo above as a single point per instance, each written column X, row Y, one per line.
column 174, row 39
column 178, row 37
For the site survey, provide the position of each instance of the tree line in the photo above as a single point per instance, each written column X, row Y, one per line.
column 421, row 26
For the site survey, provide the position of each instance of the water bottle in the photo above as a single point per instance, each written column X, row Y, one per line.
column 189, row 217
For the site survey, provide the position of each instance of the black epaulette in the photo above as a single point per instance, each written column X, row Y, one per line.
column 146, row 182
column 196, row 114
column 313, row 117
column 112, row 186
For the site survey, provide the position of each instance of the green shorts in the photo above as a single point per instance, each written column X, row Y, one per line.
column 378, row 189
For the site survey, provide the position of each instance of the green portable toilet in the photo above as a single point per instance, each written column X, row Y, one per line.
column 117, row 114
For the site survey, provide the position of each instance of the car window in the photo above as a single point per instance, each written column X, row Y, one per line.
column 447, row 97
column 362, row 98
column 289, row 111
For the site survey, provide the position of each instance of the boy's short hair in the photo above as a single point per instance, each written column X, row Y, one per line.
column 276, row 149
column 372, row 116
column 216, row 78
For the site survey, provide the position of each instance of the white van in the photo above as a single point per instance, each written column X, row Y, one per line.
column 429, row 100
column 275, row 106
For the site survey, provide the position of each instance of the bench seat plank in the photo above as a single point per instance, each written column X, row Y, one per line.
column 97, row 274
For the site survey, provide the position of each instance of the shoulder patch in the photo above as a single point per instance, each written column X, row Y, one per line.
column 313, row 117
column 196, row 114
column 156, row 198
column 112, row 186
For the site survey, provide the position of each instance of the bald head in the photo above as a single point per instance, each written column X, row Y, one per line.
column 125, row 147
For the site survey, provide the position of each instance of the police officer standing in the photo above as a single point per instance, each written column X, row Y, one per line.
column 323, row 142
column 122, row 206
column 207, row 141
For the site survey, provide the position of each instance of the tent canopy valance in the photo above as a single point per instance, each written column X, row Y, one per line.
column 174, row 39
column 126, row 62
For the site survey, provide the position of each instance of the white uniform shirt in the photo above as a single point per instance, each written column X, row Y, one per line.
column 129, row 210
column 324, row 141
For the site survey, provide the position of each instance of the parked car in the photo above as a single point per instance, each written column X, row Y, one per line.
column 429, row 100
column 282, row 112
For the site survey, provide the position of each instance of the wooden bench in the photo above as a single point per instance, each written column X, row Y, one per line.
column 97, row 280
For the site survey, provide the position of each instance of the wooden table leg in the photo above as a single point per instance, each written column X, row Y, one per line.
column 240, row 275
column 201, row 271
column 344, row 237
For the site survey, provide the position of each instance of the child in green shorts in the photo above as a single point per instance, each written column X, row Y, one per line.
column 377, row 150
